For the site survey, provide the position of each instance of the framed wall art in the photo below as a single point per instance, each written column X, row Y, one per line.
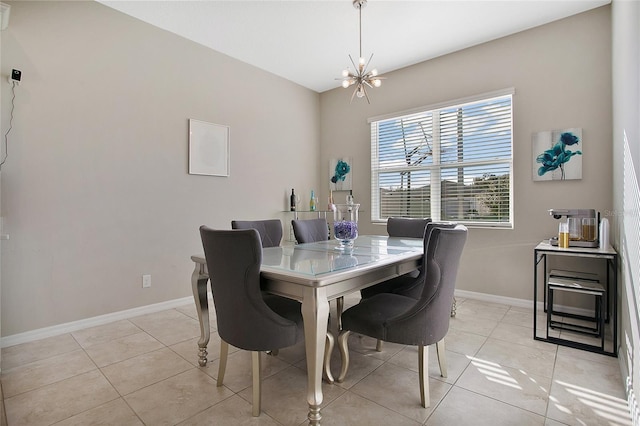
column 208, row 148
column 340, row 172
column 557, row 154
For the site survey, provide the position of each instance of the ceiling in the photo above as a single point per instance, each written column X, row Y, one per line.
column 308, row 42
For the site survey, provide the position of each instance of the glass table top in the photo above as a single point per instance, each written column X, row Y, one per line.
column 313, row 259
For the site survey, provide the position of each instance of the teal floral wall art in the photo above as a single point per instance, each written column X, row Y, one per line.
column 557, row 154
column 340, row 172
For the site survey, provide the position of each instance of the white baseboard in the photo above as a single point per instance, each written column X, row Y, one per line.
column 69, row 327
column 520, row 303
column 492, row 298
column 57, row 330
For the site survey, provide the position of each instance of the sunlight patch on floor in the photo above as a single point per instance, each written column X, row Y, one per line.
column 614, row 410
column 495, row 373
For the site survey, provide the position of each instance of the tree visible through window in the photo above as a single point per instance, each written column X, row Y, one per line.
column 452, row 162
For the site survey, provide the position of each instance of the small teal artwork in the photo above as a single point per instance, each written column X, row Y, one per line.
column 340, row 172
column 557, row 154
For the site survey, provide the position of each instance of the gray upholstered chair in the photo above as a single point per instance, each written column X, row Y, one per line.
column 399, row 227
column 311, row 230
column 408, row 284
column 406, row 226
column 247, row 318
column 405, row 320
column 270, row 230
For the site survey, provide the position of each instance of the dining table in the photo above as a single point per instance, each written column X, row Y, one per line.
column 314, row 274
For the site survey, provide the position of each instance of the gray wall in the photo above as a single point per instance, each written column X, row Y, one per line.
column 95, row 191
column 626, row 189
column 561, row 73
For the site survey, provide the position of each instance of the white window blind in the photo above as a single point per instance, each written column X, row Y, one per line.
column 452, row 162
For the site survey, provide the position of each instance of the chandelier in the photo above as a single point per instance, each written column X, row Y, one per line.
column 361, row 78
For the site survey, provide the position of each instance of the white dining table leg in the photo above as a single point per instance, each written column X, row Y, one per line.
column 199, row 288
column 315, row 313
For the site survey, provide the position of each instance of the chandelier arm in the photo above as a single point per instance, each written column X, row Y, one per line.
column 366, row 95
column 368, row 62
column 352, row 62
column 353, row 94
column 372, row 77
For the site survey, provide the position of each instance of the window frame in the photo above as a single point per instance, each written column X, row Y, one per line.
column 437, row 167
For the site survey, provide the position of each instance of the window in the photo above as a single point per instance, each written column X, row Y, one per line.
column 449, row 162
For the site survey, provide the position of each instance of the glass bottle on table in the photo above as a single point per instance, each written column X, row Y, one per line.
column 312, row 202
column 292, row 201
column 350, row 199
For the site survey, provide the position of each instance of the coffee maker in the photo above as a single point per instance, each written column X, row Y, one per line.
column 578, row 214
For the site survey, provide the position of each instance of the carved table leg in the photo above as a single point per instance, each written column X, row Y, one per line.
column 315, row 313
column 199, row 288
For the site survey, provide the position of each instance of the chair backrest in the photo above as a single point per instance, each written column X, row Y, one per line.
column 310, row 231
column 270, row 230
column 427, row 322
column 244, row 319
column 415, row 289
column 430, row 227
column 406, row 227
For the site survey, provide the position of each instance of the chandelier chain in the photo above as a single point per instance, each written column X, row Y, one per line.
column 360, row 27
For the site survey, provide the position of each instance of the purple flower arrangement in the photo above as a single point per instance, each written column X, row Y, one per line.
column 345, row 230
column 345, row 224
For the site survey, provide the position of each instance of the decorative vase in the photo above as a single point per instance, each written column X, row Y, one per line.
column 345, row 224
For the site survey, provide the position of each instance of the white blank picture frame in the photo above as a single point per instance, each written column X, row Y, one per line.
column 208, row 148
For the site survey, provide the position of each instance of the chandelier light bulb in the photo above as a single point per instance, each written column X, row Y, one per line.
column 361, row 61
column 345, row 83
column 345, row 73
column 377, row 83
column 374, row 72
column 360, row 92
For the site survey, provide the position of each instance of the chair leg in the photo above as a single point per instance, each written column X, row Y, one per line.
column 344, row 354
column 442, row 360
column 454, row 306
column 379, row 345
column 222, row 366
column 423, row 372
column 256, row 361
column 328, row 349
column 339, row 310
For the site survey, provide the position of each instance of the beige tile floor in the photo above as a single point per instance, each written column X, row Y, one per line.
column 143, row 371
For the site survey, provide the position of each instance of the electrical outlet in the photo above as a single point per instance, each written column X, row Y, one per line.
column 146, row 281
